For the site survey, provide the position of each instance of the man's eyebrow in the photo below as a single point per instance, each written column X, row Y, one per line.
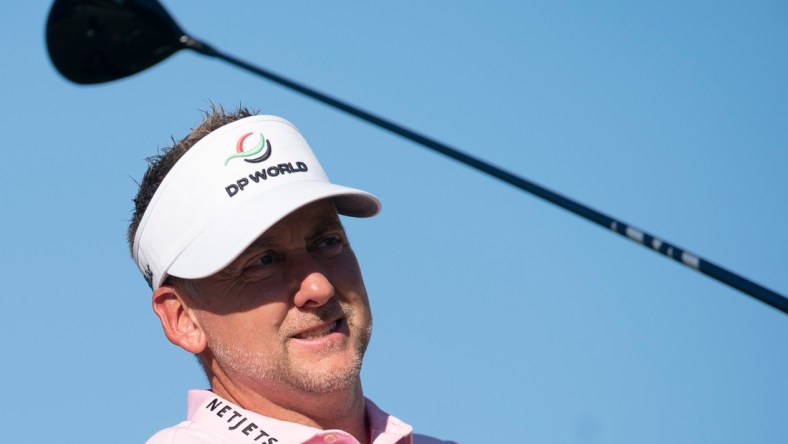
column 325, row 225
column 328, row 224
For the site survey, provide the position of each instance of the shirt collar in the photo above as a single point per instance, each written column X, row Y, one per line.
column 244, row 426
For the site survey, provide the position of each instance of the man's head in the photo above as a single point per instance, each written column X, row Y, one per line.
column 236, row 228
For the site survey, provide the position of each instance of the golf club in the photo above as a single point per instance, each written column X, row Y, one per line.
column 97, row 41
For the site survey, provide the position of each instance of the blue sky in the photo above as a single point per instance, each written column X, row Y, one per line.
column 498, row 317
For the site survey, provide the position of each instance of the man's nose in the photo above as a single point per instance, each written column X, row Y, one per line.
column 314, row 290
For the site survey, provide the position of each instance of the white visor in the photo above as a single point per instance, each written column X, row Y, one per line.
column 226, row 191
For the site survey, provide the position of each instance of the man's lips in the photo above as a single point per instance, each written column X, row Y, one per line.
column 319, row 331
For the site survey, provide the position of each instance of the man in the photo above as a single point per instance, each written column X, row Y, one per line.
column 236, row 230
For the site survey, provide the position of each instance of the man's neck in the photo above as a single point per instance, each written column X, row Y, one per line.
column 341, row 410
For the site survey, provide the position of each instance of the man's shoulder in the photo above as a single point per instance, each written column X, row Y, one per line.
column 424, row 439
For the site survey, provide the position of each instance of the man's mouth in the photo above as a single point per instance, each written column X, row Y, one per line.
column 320, row 331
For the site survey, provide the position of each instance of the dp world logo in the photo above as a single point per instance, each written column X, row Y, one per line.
column 248, row 155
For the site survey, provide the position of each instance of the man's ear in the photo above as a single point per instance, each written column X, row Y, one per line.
column 178, row 320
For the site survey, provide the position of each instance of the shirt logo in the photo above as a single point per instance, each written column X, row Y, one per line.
column 250, row 429
column 240, row 153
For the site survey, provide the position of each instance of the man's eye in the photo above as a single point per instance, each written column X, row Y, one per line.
column 329, row 242
column 262, row 265
column 330, row 245
column 266, row 259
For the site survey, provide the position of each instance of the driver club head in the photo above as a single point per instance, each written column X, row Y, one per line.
column 96, row 41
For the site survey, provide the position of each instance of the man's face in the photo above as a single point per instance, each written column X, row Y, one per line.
column 292, row 309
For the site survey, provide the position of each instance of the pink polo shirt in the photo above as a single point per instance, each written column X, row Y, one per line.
column 213, row 420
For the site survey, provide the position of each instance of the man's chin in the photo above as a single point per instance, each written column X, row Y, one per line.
column 324, row 379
